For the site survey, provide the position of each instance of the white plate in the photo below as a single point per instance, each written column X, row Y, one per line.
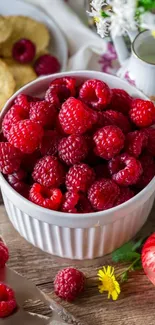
column 58, row 45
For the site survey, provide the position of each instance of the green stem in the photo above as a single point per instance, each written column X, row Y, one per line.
column 130, row 266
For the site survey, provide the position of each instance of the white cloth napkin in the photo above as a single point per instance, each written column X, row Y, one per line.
column 83, row 43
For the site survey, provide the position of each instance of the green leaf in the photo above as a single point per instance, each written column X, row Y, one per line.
column 125, row 253
column 137, row 266
column 124, row 276
column 138, row 244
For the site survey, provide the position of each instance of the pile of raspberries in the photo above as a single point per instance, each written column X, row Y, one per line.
column 80, row 149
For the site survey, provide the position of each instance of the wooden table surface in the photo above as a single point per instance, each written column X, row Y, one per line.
column 136, row 305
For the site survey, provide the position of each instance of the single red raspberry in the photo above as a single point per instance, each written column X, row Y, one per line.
column 83, row 205
column 49, row 143
column 109, row 141
column 29, row 161
column 7, row 301
column 57, row 94
column 10, row 158
column 49, row 198
column 70, row 201
column 125, row 194
column 73, row 149
column 26, row 135
column 150, row 133
column 69, row 283
column 43, row 112
column 68, row 82
column 102, row 171
column 79, row 178
column 23, row 101
column 95, row 93
column 103, row 194
column 15, row 114
column 125, row 169
column 148, row 166
column 135, row 143
column 121, row 101
column 24, row 51
column 114, row 118
column 46, row 64
column 142, row 113
column 75, row 117
column 17, row 180
column 4, row 255
column 48, row 172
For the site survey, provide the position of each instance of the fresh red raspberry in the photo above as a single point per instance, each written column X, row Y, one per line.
column 148, row 166
column 68, row 82
column 125, row 194
column 79, row 178
column 142, row 113
column 75, row 117
column 43, row 112
column 103, row 194
column 24, row 51
column 4, row 255
column 121, row 101
column 46, row 64
column 49, row 172
column 125, row 169
column 150, row 132
column 15, row 114
column 109, row 141
column 95, row 93
column 83, row 205
column 73, row 149
column 70, row 201
column 135, row 143
column 10, row 158
column 69, row 283
column 114, row 118
column 49, row 143
column 49, row 198
column 17, row 180
column 23, row 101
column 57, row 94
column 29, row 161
column 102, row 171
column 7, row 301
column 26, row 135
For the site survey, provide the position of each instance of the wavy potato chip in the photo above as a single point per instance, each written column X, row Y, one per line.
column 25, row 27
column 22, row 73
column 7, row 83
column 5, row 29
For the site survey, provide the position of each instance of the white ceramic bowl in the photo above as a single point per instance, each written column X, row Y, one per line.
column 77, row 236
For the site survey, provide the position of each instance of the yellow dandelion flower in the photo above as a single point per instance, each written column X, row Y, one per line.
column 109, row 282
column 153, row 33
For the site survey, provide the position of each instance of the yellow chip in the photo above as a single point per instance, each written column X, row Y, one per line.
column 5, row 29
column 22, row 73
column 7, row 83
column 25, row 27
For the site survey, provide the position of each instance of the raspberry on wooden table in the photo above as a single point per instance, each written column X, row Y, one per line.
column 135, row 142
column 69, row 283
column 125, row 194
column 49, row 172
column 73, row 149
column 125, row 169
column 80, row 177
column 7, row 301
column 43, row 112
column 67, row 82
column 26, row 135
column 148, row 165
column 15, row 114
column 17, row 180
column 10, row 158
column 24, row 51
column 49, row 198
column 95, row 93
column 50, row 142
column 103, row 194
column 4, row 254
column 75, row 117
column 142, row 113
column 121, row 101
column 109, row 141
column 57, row 94
column 111, row 117
column 70, row 201
column 46, row 64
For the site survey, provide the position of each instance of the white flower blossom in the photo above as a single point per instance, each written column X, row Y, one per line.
column 97, row 4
